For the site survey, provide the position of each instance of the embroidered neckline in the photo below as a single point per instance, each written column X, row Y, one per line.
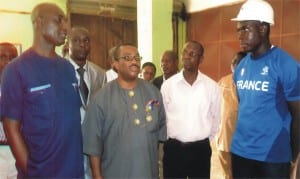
column 130, row 100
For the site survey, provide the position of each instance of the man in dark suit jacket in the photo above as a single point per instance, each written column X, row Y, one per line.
column 93, row 76
column 169, row 66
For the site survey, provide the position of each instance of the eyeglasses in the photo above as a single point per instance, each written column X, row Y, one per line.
column 130, row 58
column 190, row 54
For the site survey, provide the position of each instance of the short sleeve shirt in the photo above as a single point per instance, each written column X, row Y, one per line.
column 110, row 131
column 264, row 85
column 42, row 94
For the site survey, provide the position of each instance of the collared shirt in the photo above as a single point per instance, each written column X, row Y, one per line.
column 87, row 80
column 111, row 75
column 193, row 111
column 85, row 75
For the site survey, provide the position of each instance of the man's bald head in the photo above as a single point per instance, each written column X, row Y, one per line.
column 43, row 9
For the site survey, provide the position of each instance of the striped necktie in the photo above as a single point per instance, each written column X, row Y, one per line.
column 84, row 91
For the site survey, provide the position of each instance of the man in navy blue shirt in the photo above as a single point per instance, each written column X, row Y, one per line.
column 40, row 103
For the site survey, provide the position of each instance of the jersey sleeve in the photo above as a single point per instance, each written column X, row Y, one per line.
column 290, row 78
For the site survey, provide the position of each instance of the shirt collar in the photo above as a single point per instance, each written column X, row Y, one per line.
column 164, row 78
column 199, row 77
column 76, row 66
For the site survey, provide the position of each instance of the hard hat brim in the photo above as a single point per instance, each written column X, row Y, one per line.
column 239, row 19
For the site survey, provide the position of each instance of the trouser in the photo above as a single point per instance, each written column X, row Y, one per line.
column 7, row 163
column 87, row 167
column 224, row 159
column 182, row 160
column 243, row 168
column 160, row 160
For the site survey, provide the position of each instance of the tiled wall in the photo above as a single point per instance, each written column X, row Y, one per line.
column 214, row 29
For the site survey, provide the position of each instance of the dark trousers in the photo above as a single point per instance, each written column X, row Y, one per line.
column 247, row 168
column 182, row 160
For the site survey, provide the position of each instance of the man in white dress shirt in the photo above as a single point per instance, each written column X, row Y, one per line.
column 7, row 161
column 94, row 77
column 193, row 105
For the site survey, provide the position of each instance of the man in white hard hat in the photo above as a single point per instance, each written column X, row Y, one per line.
column 267, row 134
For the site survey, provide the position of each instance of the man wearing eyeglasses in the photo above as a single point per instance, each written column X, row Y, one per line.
column 192, row 102
column 124, row 122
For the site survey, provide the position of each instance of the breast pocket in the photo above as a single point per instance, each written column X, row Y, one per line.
column 40, row 104
column 152, row 121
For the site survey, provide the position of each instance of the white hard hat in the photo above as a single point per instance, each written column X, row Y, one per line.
column 258, row 10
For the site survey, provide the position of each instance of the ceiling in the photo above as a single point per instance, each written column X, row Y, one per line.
column 123, row 9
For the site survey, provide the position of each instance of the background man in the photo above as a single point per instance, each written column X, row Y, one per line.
column 112, row 73
column 88, row 74
column 148, row 71
column 169, row 66
column 229, row 111
column 192, row 103
column 93, row 76
column 7, row 161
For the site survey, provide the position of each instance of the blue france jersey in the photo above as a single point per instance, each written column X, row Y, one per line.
column 264, row 86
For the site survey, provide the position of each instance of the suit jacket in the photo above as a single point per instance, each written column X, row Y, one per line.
column 158, row 81
column 97, row 78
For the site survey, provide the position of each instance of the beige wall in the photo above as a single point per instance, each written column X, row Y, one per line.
column 15, row 20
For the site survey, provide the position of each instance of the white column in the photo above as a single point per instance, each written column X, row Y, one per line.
column 144, row 28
